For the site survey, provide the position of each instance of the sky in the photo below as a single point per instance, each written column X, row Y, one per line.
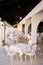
column 14, row 11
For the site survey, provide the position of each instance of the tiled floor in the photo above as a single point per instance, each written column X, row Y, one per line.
column 4, row 60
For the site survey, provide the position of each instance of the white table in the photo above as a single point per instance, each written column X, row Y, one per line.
column 19, row 48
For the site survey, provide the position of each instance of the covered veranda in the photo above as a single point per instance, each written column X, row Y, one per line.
column 33, row 18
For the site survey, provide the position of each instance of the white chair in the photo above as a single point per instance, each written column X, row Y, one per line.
column 10, row 53
column 30, row 43
column 10, row 41
column 31, row 52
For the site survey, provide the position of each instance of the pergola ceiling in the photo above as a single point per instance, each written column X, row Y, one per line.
column 12, row 10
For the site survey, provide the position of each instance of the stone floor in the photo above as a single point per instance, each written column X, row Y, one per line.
column 5, row 60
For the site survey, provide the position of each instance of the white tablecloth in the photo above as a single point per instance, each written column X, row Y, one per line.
column 18, row 47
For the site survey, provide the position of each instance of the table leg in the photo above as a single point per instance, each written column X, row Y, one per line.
column 12, row 60
column 20, row 56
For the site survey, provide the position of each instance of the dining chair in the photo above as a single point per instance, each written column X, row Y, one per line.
column 30, row 53
column 10, row 41
column 10, row 53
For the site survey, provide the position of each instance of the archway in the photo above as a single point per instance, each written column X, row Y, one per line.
column 29, row 29
column 40, row 32
column 23, row 28
column 35, row 20
column 40, row 27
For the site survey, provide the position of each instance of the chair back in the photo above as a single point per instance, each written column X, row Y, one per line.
column 30, row 42
column 6, row 48
column 34, row 48
column 10, row 41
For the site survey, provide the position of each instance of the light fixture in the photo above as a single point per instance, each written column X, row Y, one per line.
column 19, row 6
column 20, row 18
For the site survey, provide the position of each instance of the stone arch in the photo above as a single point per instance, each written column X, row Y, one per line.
column 39, row 18
column 39, row 28
column 23, row 28
column 40, row 32
column 35, row 22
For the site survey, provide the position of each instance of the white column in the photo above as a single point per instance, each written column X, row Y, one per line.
column 0, row 35
column 20, row 26
column 0, row 38
column 26, row 29
column 33, row 30
column 27, row 23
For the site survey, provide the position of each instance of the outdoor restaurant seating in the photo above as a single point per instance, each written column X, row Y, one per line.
column 30, row 52
column 20, row 48
column 10, row 53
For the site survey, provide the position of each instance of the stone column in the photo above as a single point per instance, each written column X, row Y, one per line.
column 33, row 30
column 20, row 26
column 27, row 23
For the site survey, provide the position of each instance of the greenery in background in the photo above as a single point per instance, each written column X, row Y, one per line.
column 15, row 26
column 2, row 19
column 40, row 27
